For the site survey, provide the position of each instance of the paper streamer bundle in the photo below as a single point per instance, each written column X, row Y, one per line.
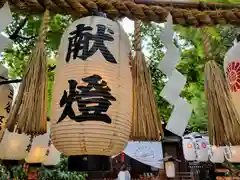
column 30, row 108
column 171, row 92
column 146, row 120
column 224, row 123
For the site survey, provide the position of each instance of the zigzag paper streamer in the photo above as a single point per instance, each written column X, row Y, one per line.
column 182, row 109
column 5, row 19
column 173, row 87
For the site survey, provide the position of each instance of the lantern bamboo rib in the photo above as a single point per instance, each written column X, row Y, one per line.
column 145, row 124
column 187, row 14
column 29, row 111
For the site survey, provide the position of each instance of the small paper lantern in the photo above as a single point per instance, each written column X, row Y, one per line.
column 52, row 156
column 170, row 169
column 216, row 154
column 202, row 149
column 92, row 94
column 232, row 153
column 13, row 146
column 232, row 72
column 189, row 150
column 37, row 148
column 6, row 97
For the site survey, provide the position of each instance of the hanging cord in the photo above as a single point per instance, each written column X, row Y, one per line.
column 44, row 27
column 137, row 36
column 206, row 44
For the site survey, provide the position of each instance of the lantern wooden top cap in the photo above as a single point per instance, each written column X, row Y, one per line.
column 187, row 13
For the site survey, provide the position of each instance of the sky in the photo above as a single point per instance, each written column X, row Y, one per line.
column 128, row 25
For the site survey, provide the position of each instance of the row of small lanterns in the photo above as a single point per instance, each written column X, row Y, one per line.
column 197, row 148
column 34, row 150
column 14, row 146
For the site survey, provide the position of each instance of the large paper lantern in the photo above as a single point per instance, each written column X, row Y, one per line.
column 216, row 154
column 92, row 94
column 37, row 148
column 6, row 97
column 201, row 145
column 232, row 72
column 232, row 153
column 189, row 150
column 52, row 156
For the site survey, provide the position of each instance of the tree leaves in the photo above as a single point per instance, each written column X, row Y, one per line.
column 191, row 65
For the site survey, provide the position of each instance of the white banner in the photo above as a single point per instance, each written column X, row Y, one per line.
column 149, row 153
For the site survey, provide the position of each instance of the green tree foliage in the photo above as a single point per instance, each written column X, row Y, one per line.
column 189, row 41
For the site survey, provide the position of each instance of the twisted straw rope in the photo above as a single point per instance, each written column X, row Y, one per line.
column 128, row 8
column 137, row 34
column 206, row 44
column 44, row 27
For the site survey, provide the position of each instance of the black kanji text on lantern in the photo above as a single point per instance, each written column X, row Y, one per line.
column 8, row 105
column 78, row 46
column 1, row 122
column 93, row 100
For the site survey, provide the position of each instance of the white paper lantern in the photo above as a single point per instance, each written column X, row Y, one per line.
column 232, row 153
column 52, row 156
column 202, row 149
column 38, row 147
column 189, row 150
column 13, row 146
column 170, row 169
column 6, row 97
column 216, row 154
column 92, row 94
column 232, row 72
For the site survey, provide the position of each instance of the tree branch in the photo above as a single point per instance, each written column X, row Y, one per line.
column 15, row 35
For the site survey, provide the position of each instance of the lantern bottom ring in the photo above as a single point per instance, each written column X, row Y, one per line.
column 49, row 166
column 12, row 163
column 86, row 163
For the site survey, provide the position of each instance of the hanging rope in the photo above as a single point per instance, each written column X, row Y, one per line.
column 146, row 120
column 190, row 14
column 29, row 112
column 223, row 120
